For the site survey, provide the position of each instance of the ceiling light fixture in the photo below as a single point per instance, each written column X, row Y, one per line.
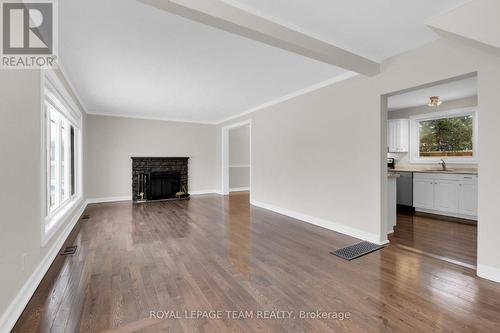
column 435, row 101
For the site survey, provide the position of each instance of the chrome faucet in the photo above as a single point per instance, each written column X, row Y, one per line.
column 443, row 164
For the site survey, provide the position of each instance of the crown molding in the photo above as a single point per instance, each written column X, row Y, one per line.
column 71, row 85
column 173, row 120
column 278, row 100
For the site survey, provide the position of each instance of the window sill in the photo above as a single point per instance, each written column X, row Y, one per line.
column 52, row 223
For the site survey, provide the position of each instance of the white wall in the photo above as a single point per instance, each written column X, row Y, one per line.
column 20, row 198
column 321, row 156
column 112, row 141
column 239, row 157
column 309, row 154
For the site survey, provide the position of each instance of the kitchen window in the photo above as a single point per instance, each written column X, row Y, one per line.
column 62, row 155
column 448, row 135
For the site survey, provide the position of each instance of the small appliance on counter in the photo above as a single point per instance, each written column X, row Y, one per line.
column 390, row 163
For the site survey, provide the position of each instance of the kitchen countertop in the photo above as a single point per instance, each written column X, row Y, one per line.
column 449, row 171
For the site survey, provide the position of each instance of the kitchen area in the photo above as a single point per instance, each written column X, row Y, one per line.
column 433, row 171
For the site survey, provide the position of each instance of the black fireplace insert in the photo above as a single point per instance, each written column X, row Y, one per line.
column 163, row 185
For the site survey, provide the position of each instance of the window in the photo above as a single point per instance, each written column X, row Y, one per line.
column 61, row 155
column 62, row 150
column 449, row 135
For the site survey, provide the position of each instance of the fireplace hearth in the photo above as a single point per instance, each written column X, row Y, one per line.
column 159, row 178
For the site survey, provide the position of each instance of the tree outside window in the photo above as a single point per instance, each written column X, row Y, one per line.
column 446, row 137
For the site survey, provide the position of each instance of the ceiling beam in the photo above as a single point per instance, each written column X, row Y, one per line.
column 232, row 19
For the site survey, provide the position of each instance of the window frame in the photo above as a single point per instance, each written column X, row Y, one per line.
column 54, row 95
column 60, row 170
column 415, row 136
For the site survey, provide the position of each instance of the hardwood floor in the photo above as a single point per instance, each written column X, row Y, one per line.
column 217, row 253
column 437, row 236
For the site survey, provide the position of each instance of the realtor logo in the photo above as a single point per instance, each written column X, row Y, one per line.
column 28, row 34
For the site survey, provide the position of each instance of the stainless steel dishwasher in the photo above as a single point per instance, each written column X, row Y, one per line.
column 405, row 189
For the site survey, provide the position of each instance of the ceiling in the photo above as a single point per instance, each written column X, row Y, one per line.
column 375, row 29
column 447, row 92
column 125, row 58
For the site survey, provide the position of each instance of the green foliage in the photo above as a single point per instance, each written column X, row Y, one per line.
column 446, row 135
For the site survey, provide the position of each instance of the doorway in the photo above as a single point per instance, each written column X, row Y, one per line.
column 432, row 163
column 236, row 158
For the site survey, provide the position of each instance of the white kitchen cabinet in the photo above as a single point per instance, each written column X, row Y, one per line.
column 446, row 194
column 468, row 198
column 423, row 193
column 398, row 135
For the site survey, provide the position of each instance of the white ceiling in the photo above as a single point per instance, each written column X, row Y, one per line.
column 375, row 29
column 126, row 58
column 447, row 92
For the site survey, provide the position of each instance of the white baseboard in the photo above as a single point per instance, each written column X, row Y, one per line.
column 488, row 272
column 343, row 229
column 199, row 192
column 239, row 189
column 16, row 307
column 437, row 212
column 108, row 199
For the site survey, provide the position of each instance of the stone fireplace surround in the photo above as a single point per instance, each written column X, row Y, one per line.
column 146, row 165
